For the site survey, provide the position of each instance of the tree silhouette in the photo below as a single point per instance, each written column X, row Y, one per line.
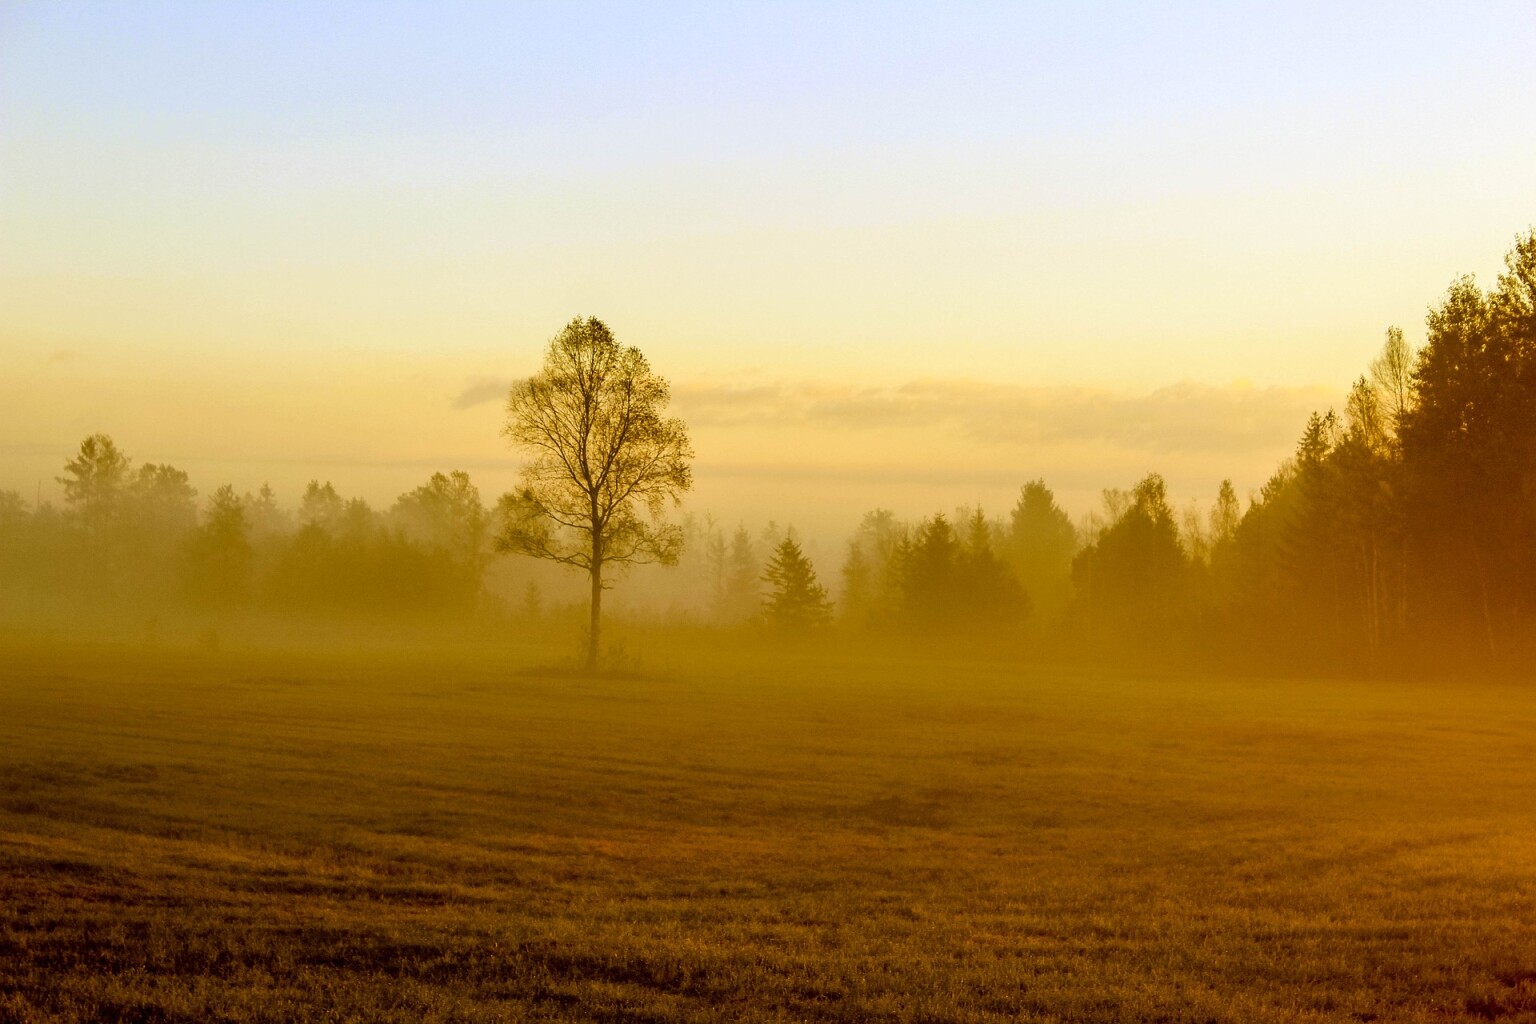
column 932, row 583
column 1469, row 450
column 163, row 499
column 159, row 512
column 266, row 519
column 874, row 568
column 739, row 584
column 94, row 481
column 1225, row 515
column 445, row 512
column 606, row 462
column 1135, row 577
column 795, row 600
column 13, row 510
column 321, row 507
column 990, row 592
column 446, row 519
column 1040, row 544
column 16, row 538
column 1392, row 374
column 858, row 585
column 221, row 550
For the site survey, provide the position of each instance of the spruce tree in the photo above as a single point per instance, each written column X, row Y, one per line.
column 795, row 600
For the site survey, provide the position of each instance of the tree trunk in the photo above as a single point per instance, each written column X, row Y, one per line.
column 595, row 570
column 597, row 615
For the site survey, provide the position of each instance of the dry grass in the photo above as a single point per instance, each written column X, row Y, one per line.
column 247, row 837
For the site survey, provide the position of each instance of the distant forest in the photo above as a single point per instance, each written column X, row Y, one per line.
column 1400, row 536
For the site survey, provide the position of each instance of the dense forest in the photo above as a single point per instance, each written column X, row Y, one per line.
column 1401, row 534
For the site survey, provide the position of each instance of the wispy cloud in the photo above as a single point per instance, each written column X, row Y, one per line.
column 1183, row 417
column 482, row 390
column 786, row 442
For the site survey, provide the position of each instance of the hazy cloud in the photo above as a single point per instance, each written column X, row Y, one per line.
column 63, row 355
column 813, row 449
column 1182, row 417
column 482, row 390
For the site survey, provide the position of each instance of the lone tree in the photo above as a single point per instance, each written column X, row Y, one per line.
column 606, row 461
column 795, row 601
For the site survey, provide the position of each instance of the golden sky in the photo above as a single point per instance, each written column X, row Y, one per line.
column 908, row 259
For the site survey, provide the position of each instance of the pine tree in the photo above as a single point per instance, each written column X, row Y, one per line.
column 858, row 585
column 1039, row 546
column 795, row 600
column 740, row 594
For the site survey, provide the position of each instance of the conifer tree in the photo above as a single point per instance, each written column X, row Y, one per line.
column 795, row 600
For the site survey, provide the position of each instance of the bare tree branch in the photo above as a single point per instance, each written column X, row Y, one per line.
column 605, row 461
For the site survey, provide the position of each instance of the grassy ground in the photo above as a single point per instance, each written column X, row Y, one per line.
column 227, row 836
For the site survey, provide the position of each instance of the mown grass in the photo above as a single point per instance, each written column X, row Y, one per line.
column 260, row 837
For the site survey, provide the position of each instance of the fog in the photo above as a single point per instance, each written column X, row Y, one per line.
column 840, row 513
column 816, row 453
column 1393, row 535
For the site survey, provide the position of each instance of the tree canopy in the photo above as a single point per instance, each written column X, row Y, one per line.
column 605, row 464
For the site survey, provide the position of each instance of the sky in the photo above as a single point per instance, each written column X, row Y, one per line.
column 890, row 255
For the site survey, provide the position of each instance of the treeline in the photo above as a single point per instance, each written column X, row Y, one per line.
column 1401, row 533
column 139, row 537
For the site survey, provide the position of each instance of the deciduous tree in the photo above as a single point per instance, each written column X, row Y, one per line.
column 606, row 462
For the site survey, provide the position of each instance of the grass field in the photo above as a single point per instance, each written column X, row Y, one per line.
column 243, row 837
